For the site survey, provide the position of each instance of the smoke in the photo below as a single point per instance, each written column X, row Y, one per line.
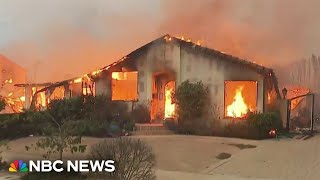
column 61, row 39
column 269, row 32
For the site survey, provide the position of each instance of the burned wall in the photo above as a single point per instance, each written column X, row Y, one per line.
column 160, row 58
column 212, row 71
column 103, row 85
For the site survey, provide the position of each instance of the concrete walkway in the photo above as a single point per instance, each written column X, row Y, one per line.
column 194, row 157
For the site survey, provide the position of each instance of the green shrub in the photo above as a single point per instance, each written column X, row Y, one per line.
column 193, row 108
column 264, row 122
column 134, row 160
column 256, row 126
column 20, row 125
column 93, row 116
column 141, row 114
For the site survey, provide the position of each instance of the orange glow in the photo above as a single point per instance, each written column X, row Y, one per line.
column 125, row 86
column 8, row 81
column 22, row 98
column 96, row 72
column 241, row 98
column 169, row 105
column 43, row 99
column 10, row 94
column 116, row 75
column 79, row 80
column 238, row 108
column 294, row 92
column 269, row 98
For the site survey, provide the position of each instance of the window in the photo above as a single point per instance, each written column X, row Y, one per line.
column 240, row 98
column 125, row 86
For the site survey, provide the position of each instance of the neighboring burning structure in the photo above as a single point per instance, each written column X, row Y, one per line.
column 151, row 74
column 11, row 73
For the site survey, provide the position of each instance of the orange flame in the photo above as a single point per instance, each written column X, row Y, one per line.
column 8, row 81
column 78, row 80
column 238, row 109
column 169, row 105
column 22, row 98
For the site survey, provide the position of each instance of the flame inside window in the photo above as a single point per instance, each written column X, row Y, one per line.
column 169, row 105
column 240, row 98
column 125, row 86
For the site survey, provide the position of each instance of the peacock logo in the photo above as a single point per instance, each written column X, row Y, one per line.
column 18, row 166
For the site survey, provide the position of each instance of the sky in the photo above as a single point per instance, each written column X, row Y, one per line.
column 59, row 39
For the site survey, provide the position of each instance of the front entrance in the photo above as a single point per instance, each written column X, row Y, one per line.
column 162, row 105
column 169, row 105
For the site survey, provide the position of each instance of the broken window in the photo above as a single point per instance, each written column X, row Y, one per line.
column 240, row 98
column 125, row 86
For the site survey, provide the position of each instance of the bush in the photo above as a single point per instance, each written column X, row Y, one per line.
column 133, row 158
column 193, row 108
column 141, row 114
column 21, row 125
column 256, row 126
column 92, row 115
column 264, row 122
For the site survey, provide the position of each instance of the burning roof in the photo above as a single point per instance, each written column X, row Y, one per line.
column 187, row 43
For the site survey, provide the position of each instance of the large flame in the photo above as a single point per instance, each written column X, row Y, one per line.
column 169, row 105
column 238, row 108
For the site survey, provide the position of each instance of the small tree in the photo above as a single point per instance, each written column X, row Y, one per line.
column 134, row 159
column 62, row 132
column 193, row 110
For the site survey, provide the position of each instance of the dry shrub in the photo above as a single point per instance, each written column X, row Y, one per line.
column 134, row 159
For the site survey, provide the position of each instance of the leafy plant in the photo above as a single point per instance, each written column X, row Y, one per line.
column 134, row 160
column 264, row 122
column 62, row 134
column 193, row 108
column 256, row 126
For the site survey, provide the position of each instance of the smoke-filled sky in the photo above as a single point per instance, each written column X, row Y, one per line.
column 61, row 39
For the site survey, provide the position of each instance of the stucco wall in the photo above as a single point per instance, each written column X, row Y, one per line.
column 103, row 85
column 159, row 58
column 214, row 72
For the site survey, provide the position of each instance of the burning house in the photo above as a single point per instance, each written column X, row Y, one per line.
column 151, row 73
column 11, row 73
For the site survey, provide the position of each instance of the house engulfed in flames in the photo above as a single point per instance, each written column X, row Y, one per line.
column 11, row 73
column 151, row 74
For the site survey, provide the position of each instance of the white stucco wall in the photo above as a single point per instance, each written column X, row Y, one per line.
column 213, row 73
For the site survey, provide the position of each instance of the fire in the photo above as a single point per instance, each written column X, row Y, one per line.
column 238, row 109
column 43, row 99
column 96, row 72
column 169, row 105
column 119, row 75
column 79, row 80
column 22, row 98
column 8, row 81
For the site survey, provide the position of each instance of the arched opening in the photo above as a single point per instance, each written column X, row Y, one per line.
column 169, row 102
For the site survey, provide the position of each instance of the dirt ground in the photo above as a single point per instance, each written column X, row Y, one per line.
column 195, row 157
